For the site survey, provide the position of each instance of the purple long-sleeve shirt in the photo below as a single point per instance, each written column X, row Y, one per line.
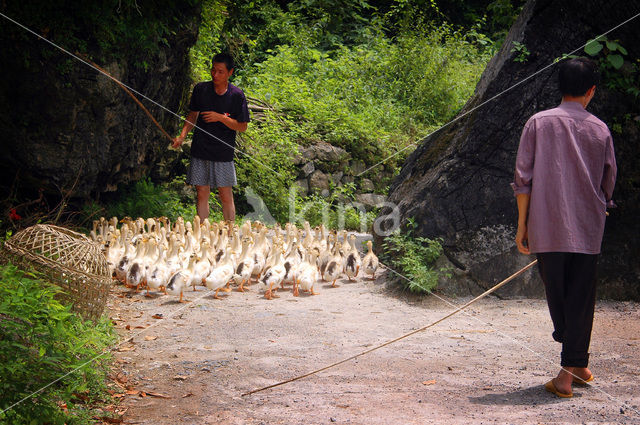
column 567, row 164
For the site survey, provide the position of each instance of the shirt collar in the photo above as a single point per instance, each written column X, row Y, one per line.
column 572, row 105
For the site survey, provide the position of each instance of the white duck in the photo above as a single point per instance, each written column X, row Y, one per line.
column 273, row 277
column 181, row 279
column 123, row 264
column 307, row 274
column 136, row 271
column 202, row 267
column 220, row 276
column 244, row 266
column 159, row 273
column 334, row 266
column 352, row 261
column 370, row 261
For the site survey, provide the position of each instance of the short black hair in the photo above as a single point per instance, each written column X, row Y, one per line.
column 224, row 58
column 577, row 75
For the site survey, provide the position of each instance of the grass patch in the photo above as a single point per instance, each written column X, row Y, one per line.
column 414, row 257
column 41, row 340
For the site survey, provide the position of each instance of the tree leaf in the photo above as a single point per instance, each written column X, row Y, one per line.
column 612, row 45
column 592, row 47
column 616, row 60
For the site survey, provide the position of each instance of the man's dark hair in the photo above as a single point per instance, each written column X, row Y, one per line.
column 577, row 75
column 224, row 58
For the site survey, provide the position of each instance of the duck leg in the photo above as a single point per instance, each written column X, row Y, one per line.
column 295, row 290
column 314, row 293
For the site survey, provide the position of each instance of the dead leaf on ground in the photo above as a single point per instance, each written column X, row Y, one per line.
column 133, row 392
column 157, row 395
column 180, row 377
column 187, row 395
column 150, row 337
column 158, row 316
column 429, row 382
column 128, row 327
column 141, row 327
column 127, row 348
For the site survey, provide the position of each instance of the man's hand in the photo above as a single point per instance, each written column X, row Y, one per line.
column 177, row 142
column 211, row 116
column 522, row 239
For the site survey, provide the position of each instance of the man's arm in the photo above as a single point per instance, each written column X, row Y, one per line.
column 189, row 123
column 522, row 235
column 233, row 124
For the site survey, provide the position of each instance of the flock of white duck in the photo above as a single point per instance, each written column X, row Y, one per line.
column 169, row 257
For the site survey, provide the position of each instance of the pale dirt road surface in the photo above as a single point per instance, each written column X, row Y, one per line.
column 484, row 366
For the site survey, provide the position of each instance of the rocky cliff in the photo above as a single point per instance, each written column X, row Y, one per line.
column 67, row 128
column 456, row 183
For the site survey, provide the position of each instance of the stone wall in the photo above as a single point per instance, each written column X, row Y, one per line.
column 67, row 128
column 322, row 166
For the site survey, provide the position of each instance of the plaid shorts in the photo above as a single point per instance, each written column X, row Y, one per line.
column 202, row 172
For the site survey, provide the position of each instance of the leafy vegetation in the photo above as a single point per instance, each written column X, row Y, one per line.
column 147, row 199
column 113, row 29
column 414, row 258
column 611, row 56
column 41, row 341
column 360, row 89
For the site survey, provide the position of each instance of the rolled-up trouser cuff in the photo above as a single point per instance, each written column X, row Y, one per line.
column 574, row 360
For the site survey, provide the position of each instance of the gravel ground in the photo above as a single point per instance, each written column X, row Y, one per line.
column 485, row 365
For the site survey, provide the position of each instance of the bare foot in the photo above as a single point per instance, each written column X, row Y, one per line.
column 581, row 374
column 564, row 380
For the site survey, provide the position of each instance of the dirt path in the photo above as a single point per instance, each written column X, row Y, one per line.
column 487, row 366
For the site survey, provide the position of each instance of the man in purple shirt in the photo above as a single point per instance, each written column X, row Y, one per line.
column 564, row 178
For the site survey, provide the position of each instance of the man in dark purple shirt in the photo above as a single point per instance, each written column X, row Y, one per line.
column 564, row 177
column 219, row 110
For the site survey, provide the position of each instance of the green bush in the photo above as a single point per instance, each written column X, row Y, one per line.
column 146, row 199
column 336, row 211
column 414, row 258
column 40, row 342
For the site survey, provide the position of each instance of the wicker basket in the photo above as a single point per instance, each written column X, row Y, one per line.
column 66, row 258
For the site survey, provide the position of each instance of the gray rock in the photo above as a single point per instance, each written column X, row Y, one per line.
column 328, row 152
column 308, row 153
column 348, row 179
column 370, row 200
column 336, row 178
column 357, row 167
column 303, row 186
column 308, row 168
column 456, row 183
column 318, row 181
column 298, row 159
column 87, row 126
column 366, row 185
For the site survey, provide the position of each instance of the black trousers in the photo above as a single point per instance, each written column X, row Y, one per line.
column 570, row 284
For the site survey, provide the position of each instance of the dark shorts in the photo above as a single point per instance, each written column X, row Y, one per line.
column 202, row 172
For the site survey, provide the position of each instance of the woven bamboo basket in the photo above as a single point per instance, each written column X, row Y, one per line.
column 66, row 258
